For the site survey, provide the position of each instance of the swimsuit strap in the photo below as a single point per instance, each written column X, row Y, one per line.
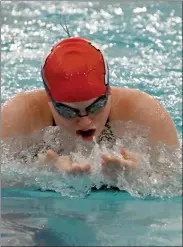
column 53, row 122
column 107, row 135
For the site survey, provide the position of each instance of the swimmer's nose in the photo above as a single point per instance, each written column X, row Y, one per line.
column 84, row 122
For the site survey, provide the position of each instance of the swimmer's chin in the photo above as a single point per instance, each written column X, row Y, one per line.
column 86, row 135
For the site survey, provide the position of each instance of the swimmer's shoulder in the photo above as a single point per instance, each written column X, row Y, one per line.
column 124, row 102
column 25, row 113
column 127, row 103
column 143, row 109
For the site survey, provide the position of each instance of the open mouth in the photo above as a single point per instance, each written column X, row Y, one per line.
column 86, row 133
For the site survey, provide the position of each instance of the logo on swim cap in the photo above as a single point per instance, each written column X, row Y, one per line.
column 75, row 70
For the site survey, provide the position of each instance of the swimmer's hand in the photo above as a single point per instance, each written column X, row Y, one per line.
column 63, row 163
column 113, row 165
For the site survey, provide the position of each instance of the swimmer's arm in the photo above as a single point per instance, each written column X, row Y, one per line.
column 24, row 114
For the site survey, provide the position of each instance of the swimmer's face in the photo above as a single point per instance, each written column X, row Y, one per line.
column 87, row 126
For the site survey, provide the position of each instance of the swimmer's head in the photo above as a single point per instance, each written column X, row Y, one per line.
column 75, row 71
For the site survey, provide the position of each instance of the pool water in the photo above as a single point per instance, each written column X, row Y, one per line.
column 102, row 219
column 143, row 45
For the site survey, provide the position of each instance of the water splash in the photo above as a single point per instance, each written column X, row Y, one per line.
column 160, row 177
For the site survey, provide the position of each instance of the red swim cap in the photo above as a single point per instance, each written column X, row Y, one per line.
column 74, row 71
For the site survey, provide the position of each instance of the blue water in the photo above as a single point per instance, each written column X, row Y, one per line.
column 143, row 44
column 103, row 218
